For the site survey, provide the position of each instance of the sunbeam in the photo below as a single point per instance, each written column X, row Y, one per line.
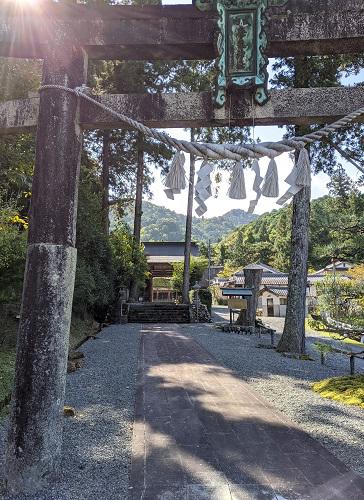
column 26, row 2
column 26, row 5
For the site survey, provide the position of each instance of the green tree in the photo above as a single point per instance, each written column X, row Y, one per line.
column 198, row 266
column 342, row 299
column 13, row 237
column 17, row 78
column 94, row 284
column 117, row 150
column 17, row 152
column 306, row 72
column 128, row 266
column 336, row 230
column 280, row 238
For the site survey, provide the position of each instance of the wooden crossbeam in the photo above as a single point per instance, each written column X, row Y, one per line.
column 301, row 27
column 294, row 106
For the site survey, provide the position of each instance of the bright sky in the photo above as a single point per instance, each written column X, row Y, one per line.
column 222, row 204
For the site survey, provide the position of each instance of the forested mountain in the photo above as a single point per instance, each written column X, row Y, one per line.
column 336, row 230
column 162, row 224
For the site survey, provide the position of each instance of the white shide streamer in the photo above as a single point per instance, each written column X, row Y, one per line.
column 237, row 189
column 303, row 169
column 299, row 177
column 270, row 188
column 176, row 178
column 203, row 187
column 258, row 179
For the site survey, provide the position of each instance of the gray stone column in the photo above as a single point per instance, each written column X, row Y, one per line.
column 35, row 435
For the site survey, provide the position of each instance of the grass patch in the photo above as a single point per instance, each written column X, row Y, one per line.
column 347, row 390
column 336, row 336
column 80, row 330
column 7, row 368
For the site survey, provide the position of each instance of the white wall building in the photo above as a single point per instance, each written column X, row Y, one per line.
column 274, row 288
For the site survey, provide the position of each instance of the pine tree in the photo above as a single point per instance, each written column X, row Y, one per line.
column 305, row 72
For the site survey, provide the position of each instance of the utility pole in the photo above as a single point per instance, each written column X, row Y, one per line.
column 188, row 234
column 209, row 258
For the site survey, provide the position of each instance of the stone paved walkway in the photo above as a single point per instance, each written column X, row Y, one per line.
column 200, row 432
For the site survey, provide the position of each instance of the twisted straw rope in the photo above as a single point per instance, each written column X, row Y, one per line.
column 216, row 151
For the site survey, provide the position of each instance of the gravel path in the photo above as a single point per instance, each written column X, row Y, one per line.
column 314, row 336
column 221, row 314
column 286, row 384
column 97, row 442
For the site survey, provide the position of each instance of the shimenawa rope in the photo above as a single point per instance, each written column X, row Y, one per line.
column 298, row 178
column 216, row 151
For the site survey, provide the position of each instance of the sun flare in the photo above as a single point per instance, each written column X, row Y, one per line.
column 24, row 5
column 26, row 2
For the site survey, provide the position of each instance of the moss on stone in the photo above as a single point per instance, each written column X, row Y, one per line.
column 348, row 390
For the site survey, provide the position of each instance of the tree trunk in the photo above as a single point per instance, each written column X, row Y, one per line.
column 105, row 179
column 188, row 234
column 35, row 431
column 242, row 318
column 138, row 212
column 253, row 279
column 293, row 338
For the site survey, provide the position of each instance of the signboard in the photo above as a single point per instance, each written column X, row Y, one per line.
column 237, row 292
column 237, row 304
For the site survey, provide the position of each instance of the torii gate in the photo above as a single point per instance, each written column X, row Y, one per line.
column 65, row 37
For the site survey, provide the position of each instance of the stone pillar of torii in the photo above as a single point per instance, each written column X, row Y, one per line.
column 65, row 36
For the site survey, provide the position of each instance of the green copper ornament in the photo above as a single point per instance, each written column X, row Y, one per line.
column 241, row 46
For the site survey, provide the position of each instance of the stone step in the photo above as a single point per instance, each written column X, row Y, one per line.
column 158, row 313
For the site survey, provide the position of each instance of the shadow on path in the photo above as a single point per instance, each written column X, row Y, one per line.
column 200, row 432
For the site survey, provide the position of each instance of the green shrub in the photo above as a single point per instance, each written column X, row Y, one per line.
column 129, row 262
column 342, row 298
column 205, row 297
column 323, row 348
column 315, row 324
column 94, row 284
column 7, row 368
column 13, row 241
column 216, row 296
column 197, row 267
column 159, row 282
